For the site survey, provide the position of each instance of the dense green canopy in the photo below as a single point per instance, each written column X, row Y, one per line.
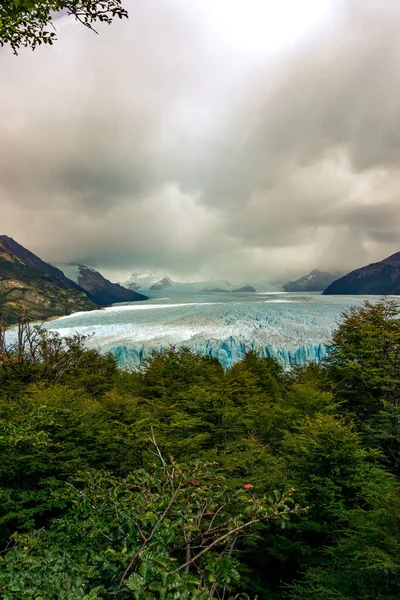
column 183, row 480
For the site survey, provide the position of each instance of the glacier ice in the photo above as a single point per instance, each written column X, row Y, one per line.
column 294, row 328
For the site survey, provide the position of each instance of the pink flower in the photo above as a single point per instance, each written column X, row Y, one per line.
column 248, row 486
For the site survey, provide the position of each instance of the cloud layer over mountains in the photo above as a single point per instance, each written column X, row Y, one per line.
column 161, row 144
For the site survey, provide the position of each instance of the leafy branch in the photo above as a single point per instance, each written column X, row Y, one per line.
column 29, row 23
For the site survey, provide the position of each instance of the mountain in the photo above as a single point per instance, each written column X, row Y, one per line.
column 153, row 282
column 99, row 289
column 316, row 281
column 142, row 281
column 27, row 283
column 381, row 278
column 164, row 283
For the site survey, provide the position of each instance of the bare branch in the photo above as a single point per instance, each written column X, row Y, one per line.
column 150, row 537
column 236, row 530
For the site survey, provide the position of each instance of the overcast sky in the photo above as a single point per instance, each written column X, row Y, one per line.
column 244, row 139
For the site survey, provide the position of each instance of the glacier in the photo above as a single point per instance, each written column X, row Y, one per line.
column 295, row 328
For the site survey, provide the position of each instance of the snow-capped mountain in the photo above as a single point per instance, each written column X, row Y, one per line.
column 163, row 284
column 153, row 282
column 316, row 281
column 142, row 281
column 98, row 288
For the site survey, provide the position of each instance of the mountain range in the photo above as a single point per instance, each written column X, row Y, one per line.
column 380, row 278
column 97, row 287
column 153, row 282
column 29, row 284
column 316, row 281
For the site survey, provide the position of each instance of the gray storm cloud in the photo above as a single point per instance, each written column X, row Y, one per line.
column 157, row 145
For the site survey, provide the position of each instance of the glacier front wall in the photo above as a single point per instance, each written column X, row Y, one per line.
column 294, row 328
column 228, row 352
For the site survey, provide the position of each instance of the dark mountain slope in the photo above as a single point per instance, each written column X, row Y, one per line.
column 100, row 289
column 381, row 278
column 316, row 281
column 28, row 259
column 29, row 284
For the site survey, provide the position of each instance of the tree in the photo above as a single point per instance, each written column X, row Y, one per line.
column 364, row 364
column 79, row 486
column 364, row 564
column 166, row 533
column 30, row 22
column 35, row 354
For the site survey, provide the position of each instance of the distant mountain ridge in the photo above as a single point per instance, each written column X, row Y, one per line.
column 98, row 288
column 380, row 278
column 27, row 283
column 316, row 281
column 157, row 282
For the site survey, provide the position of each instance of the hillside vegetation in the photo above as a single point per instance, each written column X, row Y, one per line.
column 28, row 284
column 185, row 481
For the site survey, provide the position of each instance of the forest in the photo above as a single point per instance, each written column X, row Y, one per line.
column 184, row 480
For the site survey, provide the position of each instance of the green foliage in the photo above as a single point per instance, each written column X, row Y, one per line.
column 169, row 532
column 364, row 365
column 29, row 22
column 89, row 491
column 335, row 476
column 363, row 565
column 40, row 355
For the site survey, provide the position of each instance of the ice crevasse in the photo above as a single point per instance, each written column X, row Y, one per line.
column 295, row 332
